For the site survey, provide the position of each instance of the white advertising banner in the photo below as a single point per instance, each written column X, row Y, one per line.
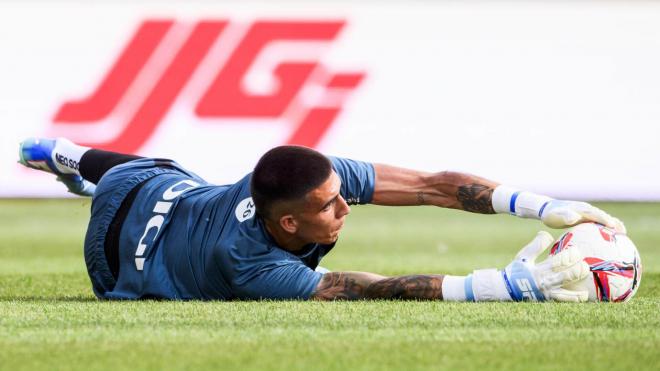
column 561, row 98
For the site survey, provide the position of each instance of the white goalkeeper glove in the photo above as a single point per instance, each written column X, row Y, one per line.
column 523, row 279
column 553, row 213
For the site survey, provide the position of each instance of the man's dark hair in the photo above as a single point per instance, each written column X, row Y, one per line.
column 287, row 173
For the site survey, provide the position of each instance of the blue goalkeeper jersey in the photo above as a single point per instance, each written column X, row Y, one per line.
column 186, row 239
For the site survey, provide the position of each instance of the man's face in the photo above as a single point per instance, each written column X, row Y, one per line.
column 323, row 215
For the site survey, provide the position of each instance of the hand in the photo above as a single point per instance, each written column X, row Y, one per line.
column 564, row 214
column 527, row 280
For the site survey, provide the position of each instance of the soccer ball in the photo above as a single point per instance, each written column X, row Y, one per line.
column 613, row 260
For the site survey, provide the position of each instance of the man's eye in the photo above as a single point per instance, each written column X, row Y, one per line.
column 329, row 205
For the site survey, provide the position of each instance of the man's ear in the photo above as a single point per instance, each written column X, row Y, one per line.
column 289, row 223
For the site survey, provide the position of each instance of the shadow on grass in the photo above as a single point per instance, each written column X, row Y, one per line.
column 40, row 299
column 649, row 288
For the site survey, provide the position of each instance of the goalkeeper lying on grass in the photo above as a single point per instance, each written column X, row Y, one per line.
column 159, row 231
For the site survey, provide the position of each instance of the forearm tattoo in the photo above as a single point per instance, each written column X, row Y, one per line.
column 355, row 286
column 420, row 198
column 476, row 198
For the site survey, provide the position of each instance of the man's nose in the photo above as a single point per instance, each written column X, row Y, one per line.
column 344, row 209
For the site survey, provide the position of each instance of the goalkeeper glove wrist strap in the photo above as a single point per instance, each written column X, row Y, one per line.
column 481, row 285
column 508, row 200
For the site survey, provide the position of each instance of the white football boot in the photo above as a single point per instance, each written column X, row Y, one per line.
column 38, row 153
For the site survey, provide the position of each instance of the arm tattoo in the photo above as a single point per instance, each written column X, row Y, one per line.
column 341, row 286
column 476, row 198
column 355, row 286
column 420, row 198
column 419, row 287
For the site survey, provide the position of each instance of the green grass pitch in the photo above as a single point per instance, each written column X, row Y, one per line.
column 49, row 318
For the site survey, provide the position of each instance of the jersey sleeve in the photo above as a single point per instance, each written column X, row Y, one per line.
column 263, row 271
column 357, row 180
column 286, row 281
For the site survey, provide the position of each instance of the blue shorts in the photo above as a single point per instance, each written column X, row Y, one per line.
column 110, row 192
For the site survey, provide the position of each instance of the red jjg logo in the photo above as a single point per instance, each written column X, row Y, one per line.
column 226, row 96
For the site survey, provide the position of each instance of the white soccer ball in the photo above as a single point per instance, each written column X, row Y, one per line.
column 612, row 257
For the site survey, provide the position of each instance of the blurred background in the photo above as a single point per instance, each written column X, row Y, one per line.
column 557, row 97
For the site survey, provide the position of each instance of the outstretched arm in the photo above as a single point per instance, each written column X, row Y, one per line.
column 362, row 285
column 404, row 187
column 523, row 279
